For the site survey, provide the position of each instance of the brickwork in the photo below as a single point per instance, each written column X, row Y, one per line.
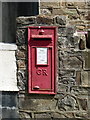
column 73, row 86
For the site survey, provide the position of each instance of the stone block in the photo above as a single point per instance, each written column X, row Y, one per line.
column 62, row 31
column 24, row 115
column 82, row 44
column 76, row 41
column 67, row 103
column 71, row 63
column 62, row 88
column 63, row 42
column 22, row 48
column 26, row 20
column 81, row 4
column 88, row 16
column 70, row 30
column 61, row 20
column 83, row 103
column 48, row 4
column 45, row 11
column 67, row 73
column 72, row 42
column 22, row 79
column 78, row 78
column 72, row 15
column 21, row 36
column 20, row 54
column 43, row 19
column 58, row 11
column 82, row 115
column 21, row 64
column 86, row 56
column 67, row 81
column 80, row 27
column 85, row 78
column 37, row 102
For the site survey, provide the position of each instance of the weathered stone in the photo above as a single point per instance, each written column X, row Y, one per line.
column 62, row 31
column 67, row 73
column 21, row 74
column 20, row 54
column 71, row 63
column 21, row 36
column 24, row 115
column 70, row 30
column 64, row 53
column 86, row 56
column 61, row 87
column 68, row 103
column 26, row 20
column 67, row 81
column 37, row 102
column 22, row 48
column 85, row 76
column 78, row 78
column 45, row 4
column 82, row 44
column 45, row 12
column 76, row 41
column 80, row 27
column 83, row 103
column 22, row 80
column 42, row 19
column 69, row 4
column 63, row 42
column 71, row 41
column 73, row 15
column 81, row 92
column 87, row 16
column 21, row 64
column 61, row 20
column 82, row 115
column 88, row 40
column 58, row 11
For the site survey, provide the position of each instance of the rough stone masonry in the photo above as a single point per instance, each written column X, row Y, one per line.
column 73, row 74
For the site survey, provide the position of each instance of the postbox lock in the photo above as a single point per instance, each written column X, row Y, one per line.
column 41, row 32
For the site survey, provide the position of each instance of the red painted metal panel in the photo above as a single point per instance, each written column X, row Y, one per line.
column 42, row 59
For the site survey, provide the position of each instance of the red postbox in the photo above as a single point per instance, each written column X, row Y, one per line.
column 42, row 59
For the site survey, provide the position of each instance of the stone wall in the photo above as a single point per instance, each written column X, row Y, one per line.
column 73, row 87
column 77, row 13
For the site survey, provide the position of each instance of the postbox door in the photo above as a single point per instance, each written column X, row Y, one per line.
column 42, row 69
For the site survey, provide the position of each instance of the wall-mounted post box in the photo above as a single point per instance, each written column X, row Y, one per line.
column 42, row 59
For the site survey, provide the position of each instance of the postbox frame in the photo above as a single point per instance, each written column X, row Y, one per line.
column 55, row 60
